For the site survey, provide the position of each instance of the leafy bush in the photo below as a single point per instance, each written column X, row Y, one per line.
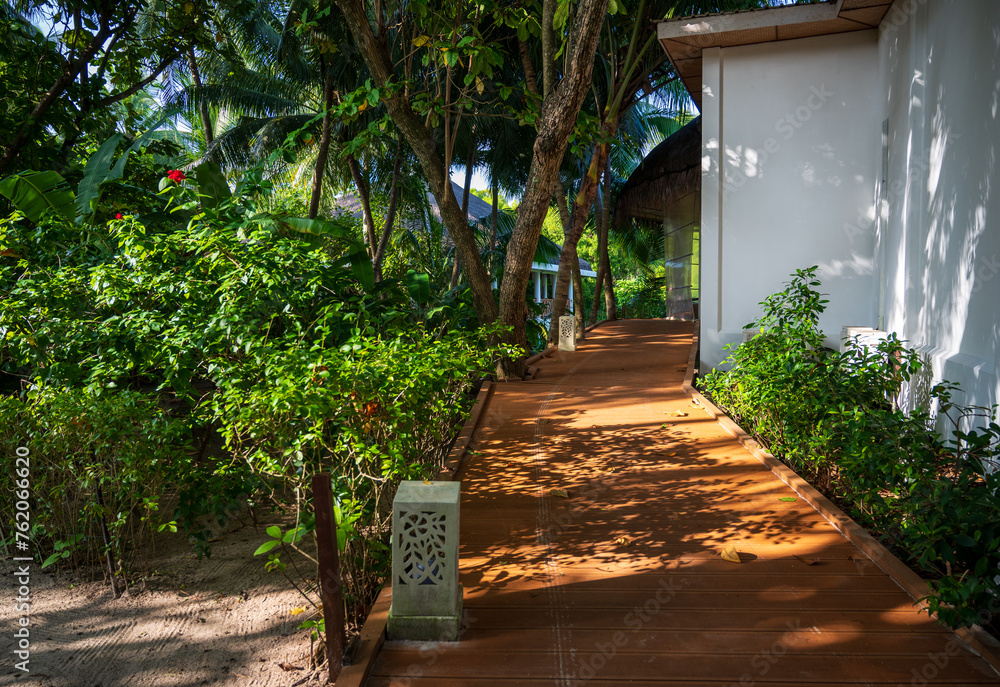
column 640, row 297
column 832, row 416
column 127, row 344
column 96, row 462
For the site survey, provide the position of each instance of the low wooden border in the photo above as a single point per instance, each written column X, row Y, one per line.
column 453, row 463
column 373, row 631
column 978, row 640
column 549, row 350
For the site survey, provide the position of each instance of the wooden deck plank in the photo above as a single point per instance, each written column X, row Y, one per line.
column 736, row 642
column 790, row 666
column 547, row 586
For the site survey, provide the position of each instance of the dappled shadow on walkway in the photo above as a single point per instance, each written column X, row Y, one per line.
column 594, row 512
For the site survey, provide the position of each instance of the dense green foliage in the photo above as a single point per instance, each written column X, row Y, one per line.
column 931, row 497
column 165, row 370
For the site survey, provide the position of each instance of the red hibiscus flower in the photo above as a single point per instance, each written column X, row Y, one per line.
column 118, row 216
column 176, row 176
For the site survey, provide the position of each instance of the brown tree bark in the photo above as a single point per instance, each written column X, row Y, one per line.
column 390, row 215
column 365, row 198
column 470, row 160
column 602, row 249
column 375, row 52
column 581, row 208
column 324, row 148
column 555, row 124
column 578, row 306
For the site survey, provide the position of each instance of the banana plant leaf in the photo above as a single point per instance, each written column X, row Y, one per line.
column 35, row 193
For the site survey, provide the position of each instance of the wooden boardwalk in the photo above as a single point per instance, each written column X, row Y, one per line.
column 622, row 583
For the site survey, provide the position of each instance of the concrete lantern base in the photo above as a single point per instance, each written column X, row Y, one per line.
column 425, row 628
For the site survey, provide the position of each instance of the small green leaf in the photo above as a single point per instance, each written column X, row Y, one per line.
column 266, row 546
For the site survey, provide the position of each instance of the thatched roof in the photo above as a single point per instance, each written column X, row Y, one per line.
column 671, row 171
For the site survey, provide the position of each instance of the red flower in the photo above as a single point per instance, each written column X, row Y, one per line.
column 118, row 216
column 176, row 176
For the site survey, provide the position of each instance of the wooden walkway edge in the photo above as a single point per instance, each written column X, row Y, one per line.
column 594, row 511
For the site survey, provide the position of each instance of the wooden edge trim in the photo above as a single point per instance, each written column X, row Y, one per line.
column 595, row 325
column 370, row 643
column 453, row 463
column 981, row 642
column 549, row 350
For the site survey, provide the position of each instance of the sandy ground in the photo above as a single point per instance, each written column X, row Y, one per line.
column 222, row 620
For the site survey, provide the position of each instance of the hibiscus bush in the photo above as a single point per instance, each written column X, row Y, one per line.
column 169, row 366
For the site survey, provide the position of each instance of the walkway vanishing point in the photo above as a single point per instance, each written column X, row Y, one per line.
column 621, row 583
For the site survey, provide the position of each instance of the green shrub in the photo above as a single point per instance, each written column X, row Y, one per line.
column 94, row 461
column 832, row 416
column 149, row 334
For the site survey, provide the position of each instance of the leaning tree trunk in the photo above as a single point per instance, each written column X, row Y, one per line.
column 324, row 148
column 555, row 124
column 390, row 215
column 602, row 247
column 581, row 208
column 375, row 52
column 578, row 306
column 470, row 160
column 365, row 198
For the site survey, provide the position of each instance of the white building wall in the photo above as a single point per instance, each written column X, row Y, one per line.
column 938, row 257
column 791, row 140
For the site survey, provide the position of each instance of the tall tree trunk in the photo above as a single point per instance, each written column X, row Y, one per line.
column 206, row 117
column 581, row 209
column 324, row 147
column 375, row 52
column 365, row 198
column 390, row 215
column 470, row 160
column 610, row 303
column 610, row 306
column 602, row 246
column 555, row 124
column 495, row 215
column 562, row 206
column 578, row 307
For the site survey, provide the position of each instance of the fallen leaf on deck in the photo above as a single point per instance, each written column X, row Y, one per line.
column 680, row 413
column 296, row 611
column 561, row 493
column 427, row 481
column 623, row 541
column 787, row 498
column 808, row 561
column 288, row 666
column 729, row 554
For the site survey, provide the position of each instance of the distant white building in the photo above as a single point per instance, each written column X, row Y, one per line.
column 862, row 136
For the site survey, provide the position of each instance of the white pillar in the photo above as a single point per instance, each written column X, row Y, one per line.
column 538, row 287
column 569, row 298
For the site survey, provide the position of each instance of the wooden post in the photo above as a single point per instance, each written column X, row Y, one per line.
column 330, row 588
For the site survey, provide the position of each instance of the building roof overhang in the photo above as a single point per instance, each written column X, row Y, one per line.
column 685, row 39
